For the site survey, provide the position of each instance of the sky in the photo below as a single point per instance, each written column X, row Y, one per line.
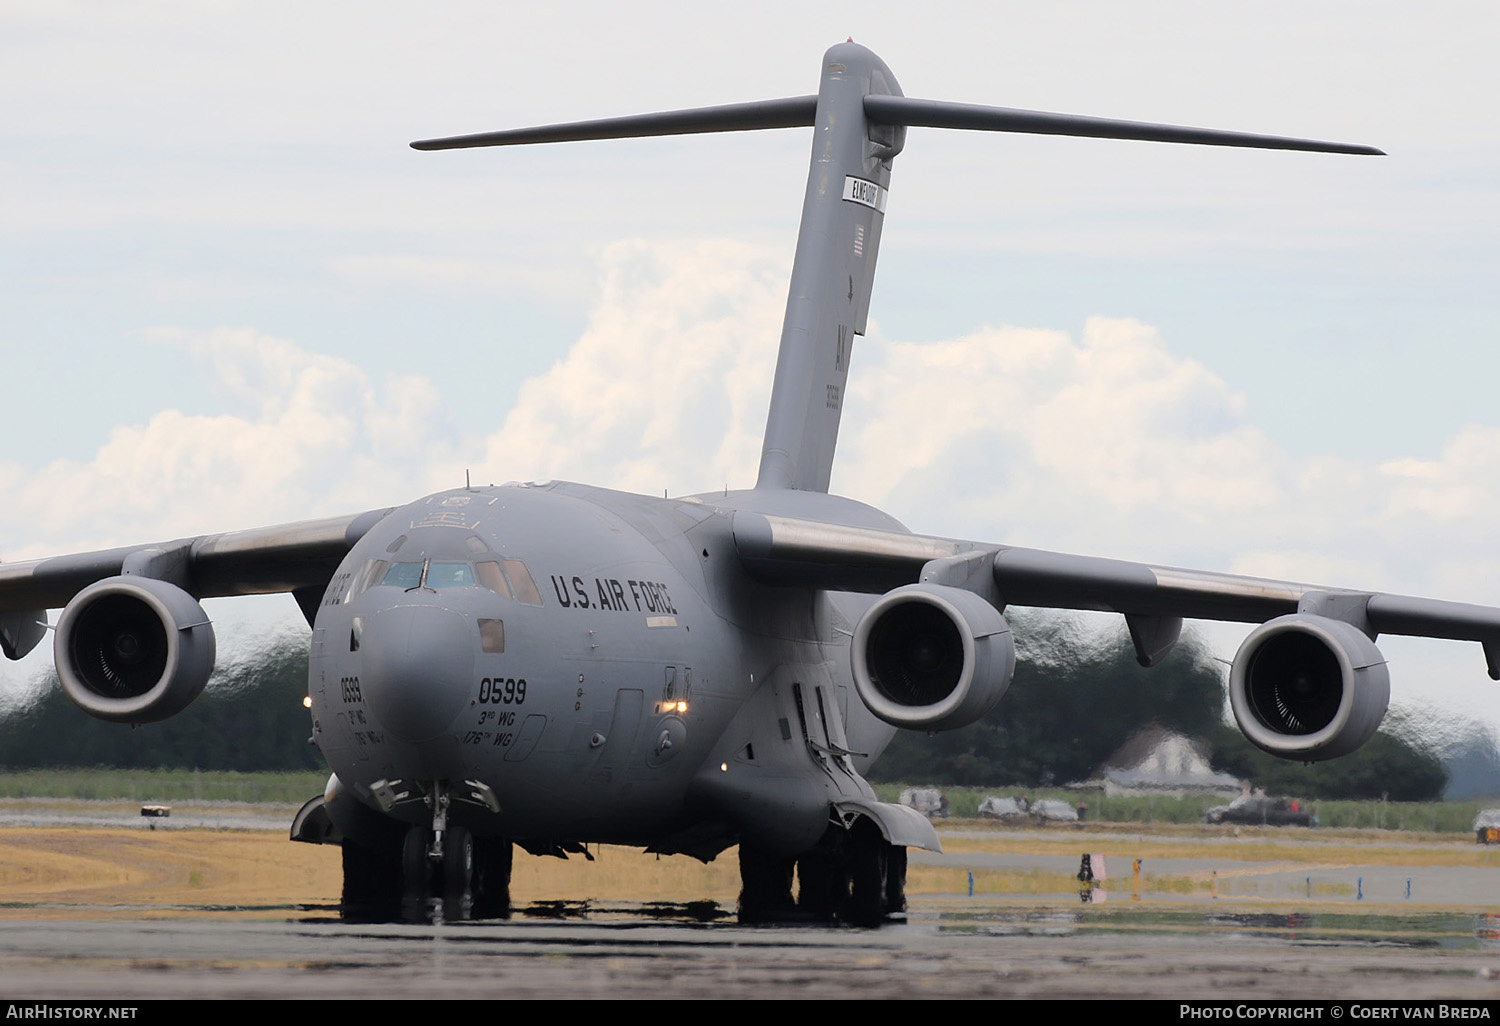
column 233, row 295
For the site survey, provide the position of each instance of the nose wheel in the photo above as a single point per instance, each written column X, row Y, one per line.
column 430, row 867
column 431, row 870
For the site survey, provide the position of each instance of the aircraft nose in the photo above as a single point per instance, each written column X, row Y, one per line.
column 418, row 667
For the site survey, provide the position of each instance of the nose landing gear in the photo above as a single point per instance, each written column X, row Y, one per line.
column 431, row 870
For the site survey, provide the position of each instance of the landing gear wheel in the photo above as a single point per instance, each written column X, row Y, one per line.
column 868, row 874
column 822, row 885
column 895, row 879
column 416, row 872
column 458, row 861
column 493, row 857
column 458, row 873
column 372, row 880
column 765, row 885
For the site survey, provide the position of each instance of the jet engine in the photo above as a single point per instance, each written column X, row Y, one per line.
column 133, row 649
column 931, row 657
column 1307, row 687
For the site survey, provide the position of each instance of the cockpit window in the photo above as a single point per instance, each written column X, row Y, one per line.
column 449, row 575
column 520, row 579
column 404, row 575
column 508, row 578
column 490, row 576
column 373, row 571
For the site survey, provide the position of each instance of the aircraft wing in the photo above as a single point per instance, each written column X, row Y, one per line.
column 298, row 558
column 1153, row 599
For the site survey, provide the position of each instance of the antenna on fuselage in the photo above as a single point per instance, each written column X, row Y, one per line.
column 861, row 117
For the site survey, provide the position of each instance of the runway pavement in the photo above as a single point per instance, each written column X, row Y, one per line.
column 1359, row 937
column 946, row 949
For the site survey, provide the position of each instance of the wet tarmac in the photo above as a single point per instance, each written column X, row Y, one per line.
column 944, row 948
column 1257, row 931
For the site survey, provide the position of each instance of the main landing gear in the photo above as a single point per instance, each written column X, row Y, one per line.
column 853, row 876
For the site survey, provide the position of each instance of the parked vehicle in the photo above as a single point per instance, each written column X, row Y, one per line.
column 1260, row 810
column 1053, row 810
column 929, row 801
column 1007, row 810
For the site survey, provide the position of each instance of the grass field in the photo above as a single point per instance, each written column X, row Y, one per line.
column 161, row 785
column 73, row 871
column 295, row 788
column 1425, row 817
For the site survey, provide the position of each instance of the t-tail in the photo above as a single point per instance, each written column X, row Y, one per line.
column 860, row 119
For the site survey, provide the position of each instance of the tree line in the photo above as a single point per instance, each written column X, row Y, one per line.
column 1074, row 701
column 249, row 718
column 1077, row 697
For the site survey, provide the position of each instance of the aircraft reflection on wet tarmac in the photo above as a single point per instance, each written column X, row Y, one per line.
column 437, row 911
column 943, row 947
column 1447, row 930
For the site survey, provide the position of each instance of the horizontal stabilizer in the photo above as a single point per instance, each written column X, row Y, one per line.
column 905, row 110
column 793, row 112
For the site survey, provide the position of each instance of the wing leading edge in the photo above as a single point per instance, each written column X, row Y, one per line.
column 298, row 558
column 786, row 550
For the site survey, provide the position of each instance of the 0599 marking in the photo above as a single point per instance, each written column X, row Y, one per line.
column 502, row 690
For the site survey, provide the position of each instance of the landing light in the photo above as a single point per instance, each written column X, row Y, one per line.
column 307, row 702
column 680, row 706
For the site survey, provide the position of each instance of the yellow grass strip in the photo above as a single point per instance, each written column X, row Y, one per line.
column 1302, row 849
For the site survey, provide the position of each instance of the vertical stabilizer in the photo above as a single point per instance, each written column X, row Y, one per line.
column 859, row 119
column 833, row 270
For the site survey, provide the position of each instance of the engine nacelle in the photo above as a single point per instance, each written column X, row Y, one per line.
column 931, row 657
column 1307, row 687
column 133, row 649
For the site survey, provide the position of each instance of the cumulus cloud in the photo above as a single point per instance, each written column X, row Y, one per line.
column 668, row 385
column 1106, row 443
column 317, row 437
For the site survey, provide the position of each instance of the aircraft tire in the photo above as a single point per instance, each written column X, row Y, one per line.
column 493, row 858
column 895, row 879
column 458, row 861
column 372, row 880
column 822, row 885
column 416, row 873
column 868, row 875
column 765, row 885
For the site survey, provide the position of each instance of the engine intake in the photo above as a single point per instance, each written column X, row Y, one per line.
column 1308, row 687
column 931, row 657
column 133, row 649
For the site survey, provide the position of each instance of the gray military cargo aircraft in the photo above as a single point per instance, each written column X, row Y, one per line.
column 551, row 664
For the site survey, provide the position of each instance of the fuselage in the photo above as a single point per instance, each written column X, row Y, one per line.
column 590, row 657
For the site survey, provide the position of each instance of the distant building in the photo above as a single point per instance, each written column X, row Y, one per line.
column 1155, row 760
